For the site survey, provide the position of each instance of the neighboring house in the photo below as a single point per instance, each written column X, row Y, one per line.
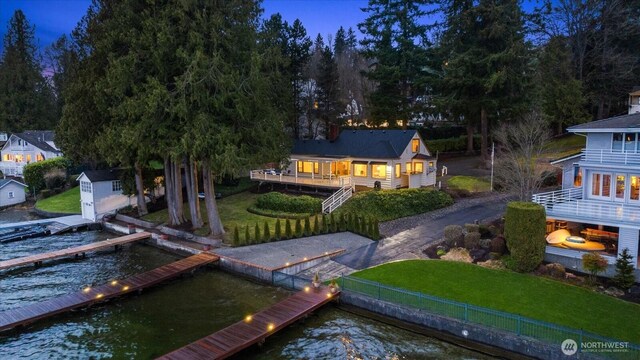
column 388, row 158
column 600, row 197
column 634, row 100
column 27, row 147
column 11, row 192
column 3, row 138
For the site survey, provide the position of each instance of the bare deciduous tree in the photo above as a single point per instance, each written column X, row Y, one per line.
column 521, row 145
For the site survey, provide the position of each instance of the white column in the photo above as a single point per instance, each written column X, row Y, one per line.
column 295, row 168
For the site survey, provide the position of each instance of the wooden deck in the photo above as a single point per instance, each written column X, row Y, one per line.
column 39, row 258
column 25, row 315
column 254, row 328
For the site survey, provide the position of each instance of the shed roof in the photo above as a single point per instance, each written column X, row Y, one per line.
column 376, row 144
column 102, row 175
column 630, row 121
column 5, row 182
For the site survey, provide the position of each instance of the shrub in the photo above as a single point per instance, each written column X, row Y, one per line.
column 556, row 270
column 485, row 243
column 594, row 263
column 351, row 223
column 236, row 236
column 292, row 204
column 441, row 252
column 247, row 237
column 365, row 229
column 524, row 230
column 276, row 214
column 316, row 226
column 453, row 235
column 625, row 277
column 472, row 240
column 278, row 231
column 257, row 234
column 325, row 224
column 334, row 224
column 288, row 233
column 298, row 232
column 55, row 179
column 307, row 227
column 375, row 235
column 498, row 245
column 45, row 193
column 34, row 173
column 392, row 204
column 472, row 228
column 342, row 224
column 266, row 233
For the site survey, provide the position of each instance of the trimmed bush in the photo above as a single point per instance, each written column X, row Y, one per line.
column 266, row 233
column 307, row 227
column 278, row 234
column 325, row 224
column 453, row 235
column 288, row 232
column 257, row 234
column 351, row 226
column 298, row 232
column 247, row 237
column 342, row 224
column 498, row 245
column 472, row 228
column 387, row 205
column 472, row 240
column 316, row 226
column 302, row 204
column 276, row 214
column 34, row 173
column 236, row 236
column 334, row 224
column 375, row 235
column 524, row 230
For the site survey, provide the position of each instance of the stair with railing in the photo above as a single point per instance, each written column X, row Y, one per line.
column 336, row 199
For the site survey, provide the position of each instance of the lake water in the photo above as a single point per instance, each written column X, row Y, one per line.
column 174, row 314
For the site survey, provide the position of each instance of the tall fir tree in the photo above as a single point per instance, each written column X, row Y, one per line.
column 328, row 89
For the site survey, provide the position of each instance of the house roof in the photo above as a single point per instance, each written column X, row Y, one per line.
column 39, row 138
column 5, row 182
column 423, row 157
column 565, row 158
column 630, row 121
column 101, row 175
column 376, row 144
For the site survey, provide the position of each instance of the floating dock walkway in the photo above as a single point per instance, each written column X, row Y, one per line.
column 28, row 314
column 74, row 251
column 254, row 328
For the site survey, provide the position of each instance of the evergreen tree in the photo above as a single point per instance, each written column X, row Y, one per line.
column 256, row 234
column 278, row 231
column 307, row 227
column 236, row 236
column 396, row 38
column 351, row 226
column 266, row 232
column 26, row 98
column 328, row 89
column 297, row 52
column 625, row 277
column 247, row 237
column 376, row 230
column 325, row 224
column 340, row 41
column 298, row 228
column 316, row 226
column 288, row 232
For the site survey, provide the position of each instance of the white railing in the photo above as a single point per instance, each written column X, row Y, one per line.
column 569, row 203
column 602, row 156
column 338, row 198
column 279, row 177
column 11, row 168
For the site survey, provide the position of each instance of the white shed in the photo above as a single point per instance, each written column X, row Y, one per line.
column 101, row 193
column 11, row 192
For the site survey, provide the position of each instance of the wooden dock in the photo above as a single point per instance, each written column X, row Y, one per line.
column 28, row 314
column 254, row 328
column 74, row 251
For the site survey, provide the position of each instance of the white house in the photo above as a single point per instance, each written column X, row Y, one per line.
column 11, row 192
column 26, row 147
column 599, row 204
column 634, row 101
column 101, row 193
column 388, row 158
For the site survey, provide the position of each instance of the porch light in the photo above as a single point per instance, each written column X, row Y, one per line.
column 86, row 290
column 114, row 283
column 99, row 296
column 270, row 327
column 125, row 288
column 248, row 318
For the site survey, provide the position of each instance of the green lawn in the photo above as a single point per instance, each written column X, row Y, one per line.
column 564, row 146
column 233, row 212
column 66, row 202
column 527, row 295
column 469, row 183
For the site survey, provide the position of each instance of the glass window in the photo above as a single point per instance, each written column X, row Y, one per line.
column 28, row 157
column 11, row 195
column 620, row 186
column 617, row 141
column 360, row 170
column 379, row 171
column 595, row 185
column 316, row 167
column 629, row 141
column 418, row 167
column 39, row 157
column 634, row 194
column 577, row 176
column 606, row 185
column 408, row 168
column 415, row 145
column 116, row 185
column 398, row 170
column 305, row 166
column 85, row 186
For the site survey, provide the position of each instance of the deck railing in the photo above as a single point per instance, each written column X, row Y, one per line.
column 11, row 168
column 558, row 196
column 336, row 199
column 603, row 156
column 504, row 321
column 279, row 177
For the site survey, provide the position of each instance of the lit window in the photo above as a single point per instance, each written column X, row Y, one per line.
column 85, row 186
column 39, row 157
column 634, row 194
column 398, row 170
column 305, row 166
column 316, row 167
column 629, row 141
column 116, row 185
column 577, row 176
column 415, row 145
column 379, row 171
column 28, row 158
column 418, row 167
column 360, row 170
column 11, row 194
column 408, row 168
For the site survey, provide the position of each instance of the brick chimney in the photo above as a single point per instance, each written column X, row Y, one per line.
column 333, row 133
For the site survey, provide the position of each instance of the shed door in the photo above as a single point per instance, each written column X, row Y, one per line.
column 87, row 211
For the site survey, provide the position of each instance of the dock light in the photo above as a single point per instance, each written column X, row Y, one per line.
column 99, row 296
column 248, row 318
column 86, row 290
column 328, row 295
column 125, row 288
column 287, row 264
column 307, row 289
column 114, row 283
column 270, row 327
column 326, row 253
column 305, row 259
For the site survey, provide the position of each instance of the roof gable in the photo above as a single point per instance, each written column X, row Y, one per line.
column 5, row 182
column 377, row 144
column 36, row 138
column 101, row 175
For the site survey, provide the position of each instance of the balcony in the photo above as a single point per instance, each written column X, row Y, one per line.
column 314, row 181
column 610, row 157
column 568, row 204
column 11, row 168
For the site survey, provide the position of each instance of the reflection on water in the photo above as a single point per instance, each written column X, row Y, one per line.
column 16, row 214
column 177, row 313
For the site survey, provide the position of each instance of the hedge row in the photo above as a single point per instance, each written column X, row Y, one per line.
column 452, row 144
column 524, row 230
column 34, row 173
column 277, row 214
column 290, row 229
column 276, row 201
column 385, row 205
